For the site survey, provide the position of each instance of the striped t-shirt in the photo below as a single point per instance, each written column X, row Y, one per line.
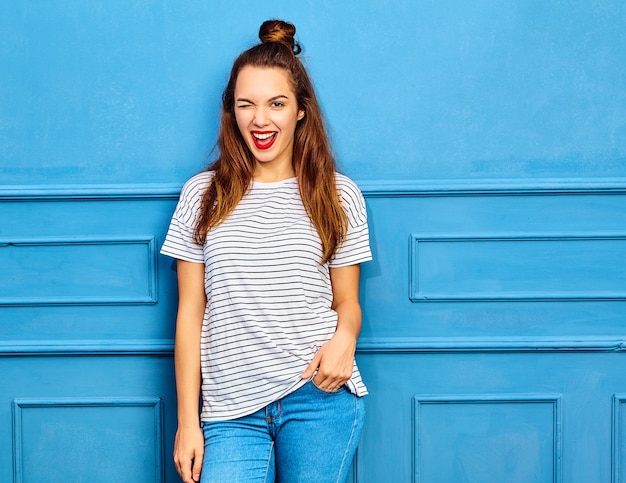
column 268, row 298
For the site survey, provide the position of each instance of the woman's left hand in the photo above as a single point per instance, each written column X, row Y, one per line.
column 333, row 362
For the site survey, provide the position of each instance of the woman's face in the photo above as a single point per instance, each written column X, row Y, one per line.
column 267, row 113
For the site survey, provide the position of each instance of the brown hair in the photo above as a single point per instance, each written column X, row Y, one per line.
column 313, row 161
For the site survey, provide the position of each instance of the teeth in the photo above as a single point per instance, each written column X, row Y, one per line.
column 262, row 137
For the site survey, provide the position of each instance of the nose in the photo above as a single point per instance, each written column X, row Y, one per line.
column 260, row 117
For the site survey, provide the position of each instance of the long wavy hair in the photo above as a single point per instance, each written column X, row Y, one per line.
column 313, row 161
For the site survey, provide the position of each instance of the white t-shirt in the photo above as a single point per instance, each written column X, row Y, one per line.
column 268, row 298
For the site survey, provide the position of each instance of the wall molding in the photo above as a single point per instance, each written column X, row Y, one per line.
column 103, row 347
column 421, row 400
column 19, row 405
column 89, row 192
column 409, row 345
column 150, row 291
column 420, row 294
column 618, row 438
column 370, row 188
column 463, row 187
column 366, row 345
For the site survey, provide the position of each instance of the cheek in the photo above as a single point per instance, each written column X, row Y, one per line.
column 289, row 123
column 242, row 123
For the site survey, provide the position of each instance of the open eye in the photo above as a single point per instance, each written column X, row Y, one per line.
column 277, row 104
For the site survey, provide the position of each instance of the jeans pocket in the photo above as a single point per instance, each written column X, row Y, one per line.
column 326, row 391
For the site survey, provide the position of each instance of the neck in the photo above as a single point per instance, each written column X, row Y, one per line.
column 270, row 174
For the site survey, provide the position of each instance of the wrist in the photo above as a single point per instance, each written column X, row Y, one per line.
column 346, row 333
column 188, row 422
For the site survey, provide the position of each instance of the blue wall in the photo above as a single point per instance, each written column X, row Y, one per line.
column 120, row 91
column 489, row 139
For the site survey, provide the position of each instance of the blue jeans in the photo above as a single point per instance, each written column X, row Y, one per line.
column 309, row 436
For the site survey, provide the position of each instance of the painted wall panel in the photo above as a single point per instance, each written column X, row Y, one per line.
column 75, row 401
column 619, row 438
column 514, row 267
column 131, row 224
column 78, row 271
column 487, row 439
column 446, row 349
column 583, row 382
column 537, row 215
column 90, row 437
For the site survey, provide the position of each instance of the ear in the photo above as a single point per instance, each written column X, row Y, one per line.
column 300, row 114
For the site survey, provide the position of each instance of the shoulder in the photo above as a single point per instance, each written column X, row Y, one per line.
column 195, row 186
column 352, row 199
column 343, row 180
column 348, row 189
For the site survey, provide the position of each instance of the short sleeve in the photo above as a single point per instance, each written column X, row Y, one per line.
column 355, row 248
column 179, row 241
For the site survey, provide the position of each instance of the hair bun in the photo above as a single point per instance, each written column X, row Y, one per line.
column 280, row 32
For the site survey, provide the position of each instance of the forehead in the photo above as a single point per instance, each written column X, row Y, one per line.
column 263, row 82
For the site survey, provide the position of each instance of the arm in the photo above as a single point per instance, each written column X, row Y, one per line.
column 335, row 359
column 189, row 443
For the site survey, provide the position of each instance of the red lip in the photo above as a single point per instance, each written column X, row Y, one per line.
column 264, row 143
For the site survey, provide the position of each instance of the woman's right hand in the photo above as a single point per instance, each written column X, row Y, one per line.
column 188, row 453
column 189, row 442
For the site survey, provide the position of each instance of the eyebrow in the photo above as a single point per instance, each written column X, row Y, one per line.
column 271, row 99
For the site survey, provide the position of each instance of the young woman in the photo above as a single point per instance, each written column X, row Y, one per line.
column 268, row 243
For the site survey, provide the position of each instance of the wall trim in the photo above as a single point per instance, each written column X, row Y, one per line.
column 90, row 192
column 462, row 187
column 150, row 296
column 370, row 188
column 21, row 404
column 420, row 400
column 366, row 345
column 617, row 436
column 420, row 294
column 408, row 345
column 103, row 347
